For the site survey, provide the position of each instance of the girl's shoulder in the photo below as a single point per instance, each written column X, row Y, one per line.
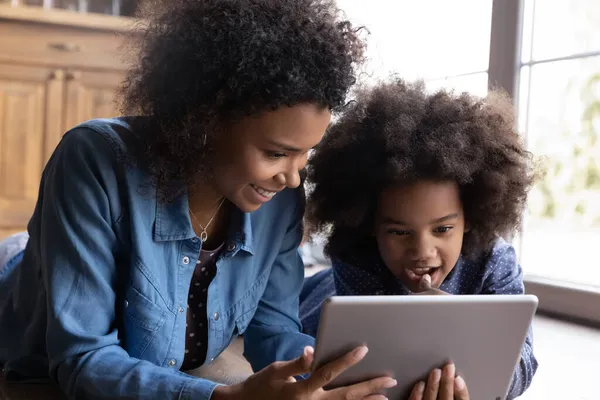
column 502, row 252
column 469, row 275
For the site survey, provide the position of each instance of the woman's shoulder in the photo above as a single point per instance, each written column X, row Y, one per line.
column 93, row 157
column 95, row 144
column 101, row 134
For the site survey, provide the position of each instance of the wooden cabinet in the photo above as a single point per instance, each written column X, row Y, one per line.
column 24, row 122
column 91, row 95
column 52, row 77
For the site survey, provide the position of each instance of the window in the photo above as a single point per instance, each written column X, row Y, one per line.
column 546, row 54
column 559, row 112
column 418, row 40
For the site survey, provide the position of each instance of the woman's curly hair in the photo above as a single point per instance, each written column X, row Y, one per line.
column 200, row 64
column 397, row 134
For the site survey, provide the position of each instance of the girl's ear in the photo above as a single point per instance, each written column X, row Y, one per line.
column 467, row 227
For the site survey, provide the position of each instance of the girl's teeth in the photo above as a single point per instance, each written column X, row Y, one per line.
column 416, row 273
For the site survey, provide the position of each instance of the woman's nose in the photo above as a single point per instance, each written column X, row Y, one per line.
column 293, row 179
column 280, row 179
column 290, row 177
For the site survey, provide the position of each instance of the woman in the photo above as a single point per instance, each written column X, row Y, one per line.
column 157, row 239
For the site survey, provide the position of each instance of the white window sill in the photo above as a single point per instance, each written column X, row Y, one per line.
column 564, row 300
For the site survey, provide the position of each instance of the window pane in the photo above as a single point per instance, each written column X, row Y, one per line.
column 527, row 33
column 476, row 84
column 522, row 100
column 427, row 38
column 562, row 28
column 562, row 228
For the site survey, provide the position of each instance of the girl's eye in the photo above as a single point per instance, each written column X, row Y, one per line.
column 398, row 232
column 443, row 229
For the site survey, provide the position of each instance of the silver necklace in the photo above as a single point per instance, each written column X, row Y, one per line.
column 203, row 234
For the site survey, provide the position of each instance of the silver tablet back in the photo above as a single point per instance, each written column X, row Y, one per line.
column 408, row 336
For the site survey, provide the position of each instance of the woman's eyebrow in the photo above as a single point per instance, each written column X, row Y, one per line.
column 284, row 146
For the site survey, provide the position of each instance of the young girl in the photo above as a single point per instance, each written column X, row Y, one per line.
column 159, row 238
column 416, row 190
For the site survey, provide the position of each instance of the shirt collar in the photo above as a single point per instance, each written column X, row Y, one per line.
column 172, row 222
column 240, row 230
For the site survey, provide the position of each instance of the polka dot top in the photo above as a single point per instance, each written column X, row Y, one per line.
column 496, row 273
column 196, row 335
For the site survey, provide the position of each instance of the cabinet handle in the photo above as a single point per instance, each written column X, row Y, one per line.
column 57, row 75
column 72, row 75
column 65, row 46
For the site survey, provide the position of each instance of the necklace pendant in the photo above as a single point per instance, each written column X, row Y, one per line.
column 203, row 236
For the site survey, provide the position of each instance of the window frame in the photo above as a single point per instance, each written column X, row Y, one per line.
column 557, row 298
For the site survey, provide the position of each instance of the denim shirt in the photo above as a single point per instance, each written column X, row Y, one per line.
column 98, row 302
column 496, row 273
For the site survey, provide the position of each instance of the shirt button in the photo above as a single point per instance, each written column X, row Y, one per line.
column 216, row 316
column 212, row 359
column 231, row 247
column 186, row 260
column 195, row 240
column 181, row 309
column 172, row 363
column 126, row 304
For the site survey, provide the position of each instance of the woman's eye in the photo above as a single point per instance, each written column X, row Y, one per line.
column 275, row 154
column 443, row 229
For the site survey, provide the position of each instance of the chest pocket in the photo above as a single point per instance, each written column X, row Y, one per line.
column 143, row 319
column 242, row 322
column 248, row 305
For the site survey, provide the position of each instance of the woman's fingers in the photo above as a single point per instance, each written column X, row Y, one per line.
column 365, row 390
column 418, row 391
column 330, row 371
column 286, row 369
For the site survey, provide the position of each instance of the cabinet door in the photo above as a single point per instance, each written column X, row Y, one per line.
column 91, row 95
column 31, row 107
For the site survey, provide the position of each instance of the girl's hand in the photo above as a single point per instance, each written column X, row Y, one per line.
column 441, row 385
column 426, row 289
column 277, row 381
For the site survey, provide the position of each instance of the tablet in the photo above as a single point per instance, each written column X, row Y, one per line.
column 408, row 336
